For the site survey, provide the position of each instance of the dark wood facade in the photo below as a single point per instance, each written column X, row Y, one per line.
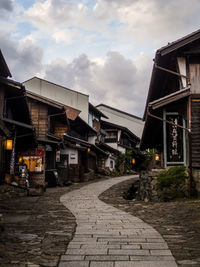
column 50, row 122
column 172, row 114
column 16, row 126
column 195, row 130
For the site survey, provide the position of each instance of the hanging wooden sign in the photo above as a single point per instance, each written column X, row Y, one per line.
column 174, row 140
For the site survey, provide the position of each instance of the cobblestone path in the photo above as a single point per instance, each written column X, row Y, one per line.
column 108, row 237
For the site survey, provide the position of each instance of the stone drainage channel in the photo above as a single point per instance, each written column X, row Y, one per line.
column 108, row 237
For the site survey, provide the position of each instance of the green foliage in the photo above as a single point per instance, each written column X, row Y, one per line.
column 104, row 172
column 148, row 156
column 124, row 160
column 173, row 176
column 115, row 173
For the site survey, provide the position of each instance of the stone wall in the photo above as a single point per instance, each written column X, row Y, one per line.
column 147, row 186
column 148, row 190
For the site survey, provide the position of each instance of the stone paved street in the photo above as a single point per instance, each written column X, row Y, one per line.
column 106, row 236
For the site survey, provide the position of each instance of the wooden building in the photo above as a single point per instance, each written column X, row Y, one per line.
column 81, row 150
column 16, row 130
column 172, row 114
column 50, row 121
column 120, row 139
column 108, row 162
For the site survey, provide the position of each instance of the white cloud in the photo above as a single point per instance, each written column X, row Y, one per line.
column 154, row 20
column 90, row 29
column 137, row 20
column 24, row 58
column 116, row 81
column 50, row 14
column 98, row 61
column 64, row 35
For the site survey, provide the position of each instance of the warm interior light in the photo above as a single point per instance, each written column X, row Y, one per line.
column 20, row 159
column 157, row 157
column 9, row 144
column 133, row 161
column 88, row 149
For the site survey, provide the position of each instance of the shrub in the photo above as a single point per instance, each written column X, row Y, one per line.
column 124, row 162
column 147, row 160
column 173, row 176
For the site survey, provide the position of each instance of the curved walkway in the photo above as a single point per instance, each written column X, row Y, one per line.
column 108, row 237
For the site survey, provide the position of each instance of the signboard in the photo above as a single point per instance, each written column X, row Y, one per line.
column 58, row 156
column 34, row 152
column 174, row 138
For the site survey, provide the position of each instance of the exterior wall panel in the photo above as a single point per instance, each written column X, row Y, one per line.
column 195, row 129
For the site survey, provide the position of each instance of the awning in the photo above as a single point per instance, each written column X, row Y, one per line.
column 170, row 98
column 99, row 150
column 106, row 147
column 76, row 140
column 47, row 141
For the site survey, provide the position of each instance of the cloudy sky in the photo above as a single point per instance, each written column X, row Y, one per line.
column 103, row 48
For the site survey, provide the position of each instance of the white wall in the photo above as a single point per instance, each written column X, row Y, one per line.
column 72, row 154
column 121, row 149
column 135, row 125
column 92, row 139
column 107, row 163
column 60, row 94
column 116, row 146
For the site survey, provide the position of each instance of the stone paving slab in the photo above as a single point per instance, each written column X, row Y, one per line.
column 108, row 237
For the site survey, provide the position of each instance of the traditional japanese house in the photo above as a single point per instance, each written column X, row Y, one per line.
column 94, row 121
column 119, row 137
column 50, row 121
column 16, row 130
column 172, row 114
column 108, row 163
column 81, row 149
column 107, row 159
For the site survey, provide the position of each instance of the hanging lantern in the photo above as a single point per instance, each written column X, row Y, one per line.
column 9, row 144
column 88, row 149
column 133, row 161
column 157, row 157
column 20, row 159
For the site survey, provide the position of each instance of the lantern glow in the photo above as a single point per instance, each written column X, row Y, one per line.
column 9, row 144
